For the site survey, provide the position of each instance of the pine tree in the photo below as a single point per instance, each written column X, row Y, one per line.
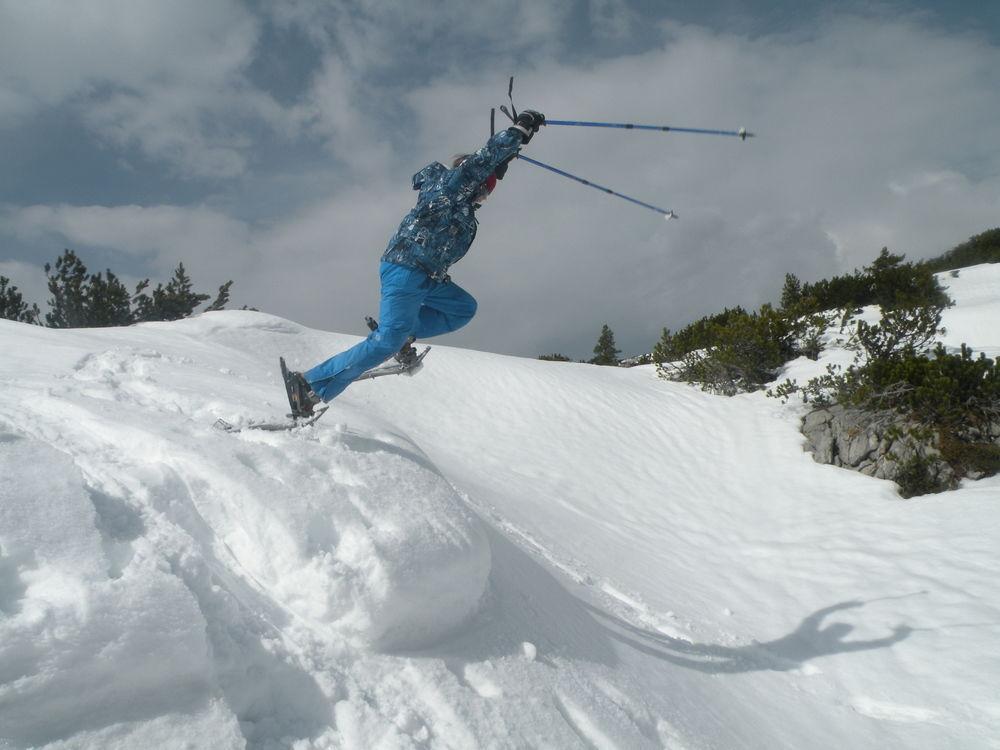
column 80, row 300
column 142, row 303
column 605, row 352
column 981, row 248
column 791, row 293
column 178, row 299
column 174, row 301
column 108, row 302
column 83, row 301
column 68, row 287
column 13, row 306
column 221, row 299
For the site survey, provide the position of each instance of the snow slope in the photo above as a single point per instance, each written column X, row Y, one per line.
column 497, row 552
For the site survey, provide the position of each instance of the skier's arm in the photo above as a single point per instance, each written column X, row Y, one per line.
column 500, row 148
column 472, row 172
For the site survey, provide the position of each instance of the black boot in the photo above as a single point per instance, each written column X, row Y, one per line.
column 302, row 396
column 407, row 355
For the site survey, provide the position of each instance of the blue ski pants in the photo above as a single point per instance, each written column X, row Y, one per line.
column 412, row 304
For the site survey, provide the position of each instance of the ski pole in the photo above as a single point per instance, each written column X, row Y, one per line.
column 742, row 133
column 666, row 214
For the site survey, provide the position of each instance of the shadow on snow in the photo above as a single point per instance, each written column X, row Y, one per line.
column 810, row 640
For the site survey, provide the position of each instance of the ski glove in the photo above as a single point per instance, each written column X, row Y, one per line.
column 502, row 169
column 528, row 123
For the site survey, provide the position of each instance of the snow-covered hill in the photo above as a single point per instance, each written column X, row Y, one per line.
column 497, row 553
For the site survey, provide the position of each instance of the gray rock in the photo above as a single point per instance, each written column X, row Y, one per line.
column 815, row 420
column 822, row 448
column 861, row 441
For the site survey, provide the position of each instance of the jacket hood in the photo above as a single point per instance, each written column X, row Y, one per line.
column 428, row 173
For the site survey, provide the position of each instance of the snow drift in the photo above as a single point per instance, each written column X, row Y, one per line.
column 496, row 552
column 132, row 534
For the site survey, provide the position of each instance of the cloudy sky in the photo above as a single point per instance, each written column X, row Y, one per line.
column 272, row 143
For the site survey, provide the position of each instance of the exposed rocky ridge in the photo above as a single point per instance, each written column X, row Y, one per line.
column 883, row 444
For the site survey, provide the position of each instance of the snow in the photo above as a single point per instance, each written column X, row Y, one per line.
column 496, row 552
column 973, row 320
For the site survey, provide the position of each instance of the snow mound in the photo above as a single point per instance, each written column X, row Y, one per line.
column 154, row 572
column 85, row 642
column 664, row 567
column 357, row 533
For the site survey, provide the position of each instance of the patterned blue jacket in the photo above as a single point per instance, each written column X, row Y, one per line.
column 438, row 231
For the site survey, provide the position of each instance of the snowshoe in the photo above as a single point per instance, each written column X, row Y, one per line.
column 302, row 400
column 408, row 367
column 408, row 357
column 287, row 426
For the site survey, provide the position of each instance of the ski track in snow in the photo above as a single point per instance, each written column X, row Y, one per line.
column 495, row 553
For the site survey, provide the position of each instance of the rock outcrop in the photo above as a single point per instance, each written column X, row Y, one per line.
column 877, row 444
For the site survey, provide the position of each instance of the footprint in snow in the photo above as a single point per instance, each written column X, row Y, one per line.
column 886, row 711
column 477, row 677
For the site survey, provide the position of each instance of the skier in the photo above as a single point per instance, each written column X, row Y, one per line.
column 419, row 299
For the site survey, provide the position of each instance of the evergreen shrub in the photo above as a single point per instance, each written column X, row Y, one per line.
column 83, row 300
column 13, row 306
column 981, row 248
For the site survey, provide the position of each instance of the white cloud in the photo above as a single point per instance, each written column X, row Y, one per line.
column 165, row 78
column 202, row 238
column 368, row 40
column 376, row 34
column 294, row 268
column 54, row 49
column 842, row 115
column 335, row 115
column 612, row 19
column 947, row 180
column 871, row 131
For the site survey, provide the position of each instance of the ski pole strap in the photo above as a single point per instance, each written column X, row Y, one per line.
column 666, row 214
column 742, row 133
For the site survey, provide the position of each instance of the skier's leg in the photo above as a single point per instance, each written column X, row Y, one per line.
column 403, row 291
column 446, row 308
